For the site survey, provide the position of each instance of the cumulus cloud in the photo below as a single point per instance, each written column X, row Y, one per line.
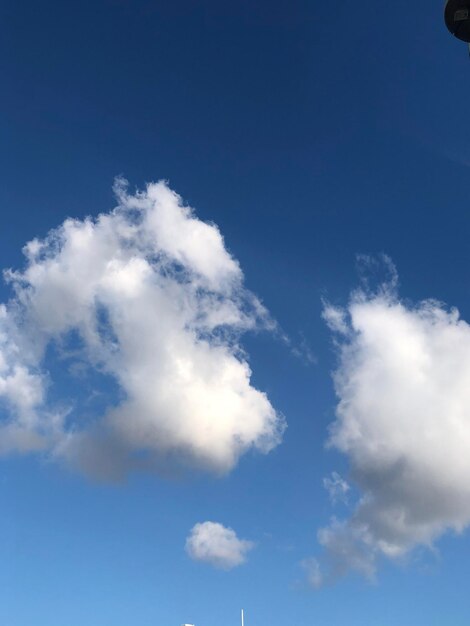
column 217, row 545
column 148, row 299
column 403, row 420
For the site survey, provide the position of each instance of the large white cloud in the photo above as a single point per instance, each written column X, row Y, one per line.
column 403, row 420
column 146, row 296
column 217, row 545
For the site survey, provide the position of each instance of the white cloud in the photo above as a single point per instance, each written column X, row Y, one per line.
column 337, row 487
column 403, row 420
column 149, row 297
column 335, row 317
column 312, row 569
column 217, row 545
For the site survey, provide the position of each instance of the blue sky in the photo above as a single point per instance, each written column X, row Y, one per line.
column 310, row 134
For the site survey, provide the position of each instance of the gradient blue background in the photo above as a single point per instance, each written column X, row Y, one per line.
column 309, row 132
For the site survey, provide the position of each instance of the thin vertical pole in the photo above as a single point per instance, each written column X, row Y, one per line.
column 243, row 621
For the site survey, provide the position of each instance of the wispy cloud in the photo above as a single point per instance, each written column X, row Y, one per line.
column 217, row 545
column 337, row 487
column 149, row 297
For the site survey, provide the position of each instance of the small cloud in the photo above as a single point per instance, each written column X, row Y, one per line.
column 335, row 318
column 213, row 543
column 336, row 487
column 313, row 572
column 303, row 351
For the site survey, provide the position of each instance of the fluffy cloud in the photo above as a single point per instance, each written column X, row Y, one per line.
column 403, row 420
column 148, row 299
column 213, row 543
